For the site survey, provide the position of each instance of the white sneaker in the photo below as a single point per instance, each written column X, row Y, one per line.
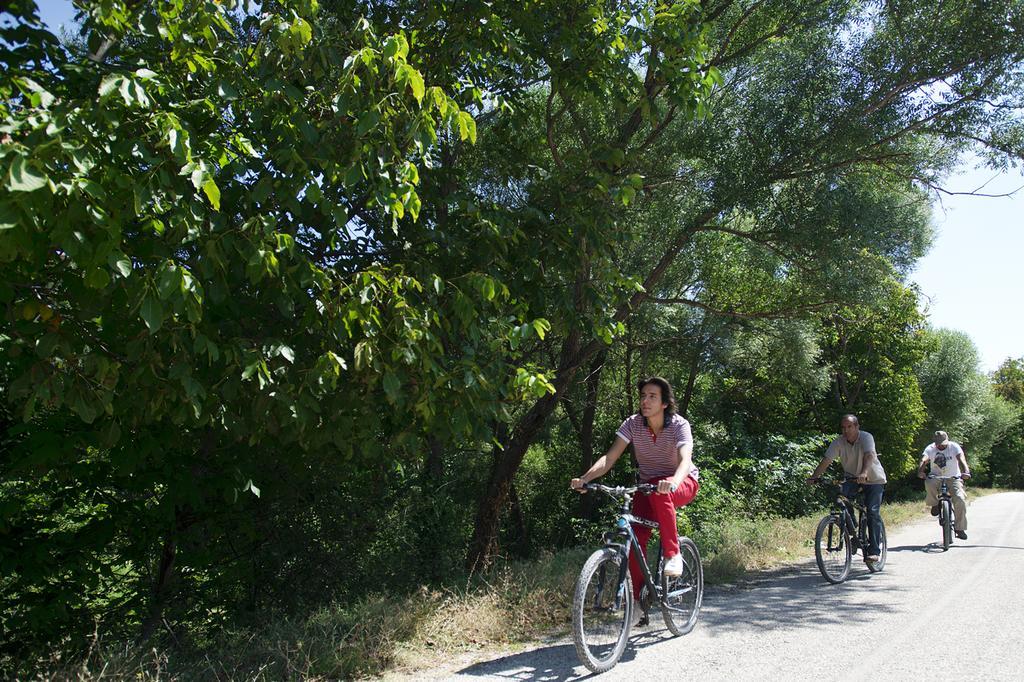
column 674, row 566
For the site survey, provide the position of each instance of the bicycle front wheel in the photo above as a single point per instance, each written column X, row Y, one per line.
column 682, row 595
column 946, row 519
column 882, row 548
column 602, row 610
column 832, row 549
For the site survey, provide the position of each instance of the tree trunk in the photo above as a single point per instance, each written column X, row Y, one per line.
column 691, row 381
column 161, row 588
column 521, row 533
column 433, row 468
column 484, row 543
column 629, row 370
column 588, row 503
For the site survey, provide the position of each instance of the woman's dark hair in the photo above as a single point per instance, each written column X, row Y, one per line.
column 667, row 396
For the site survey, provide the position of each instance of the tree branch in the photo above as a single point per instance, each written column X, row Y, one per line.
column 781, row 313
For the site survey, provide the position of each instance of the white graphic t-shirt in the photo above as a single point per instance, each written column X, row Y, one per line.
column 944, row 462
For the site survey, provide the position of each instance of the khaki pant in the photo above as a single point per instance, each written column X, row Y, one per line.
column 956, row 491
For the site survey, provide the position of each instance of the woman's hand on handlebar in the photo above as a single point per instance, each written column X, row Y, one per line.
column 666, row 486
column 577, row 485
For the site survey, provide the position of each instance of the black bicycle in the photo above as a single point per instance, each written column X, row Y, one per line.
column 947, row 519
column 602, row 609
column 840, row 535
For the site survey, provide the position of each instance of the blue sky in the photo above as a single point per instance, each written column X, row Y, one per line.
column 55, row 13
column 971, row 280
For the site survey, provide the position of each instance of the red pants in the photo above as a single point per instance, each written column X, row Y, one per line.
column 660, row 508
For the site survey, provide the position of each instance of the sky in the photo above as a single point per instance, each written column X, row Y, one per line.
column 971, row 280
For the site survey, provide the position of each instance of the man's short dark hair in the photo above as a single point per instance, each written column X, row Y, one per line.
column 850, row 418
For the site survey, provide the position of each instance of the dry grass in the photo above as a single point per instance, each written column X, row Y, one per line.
column 516, row 605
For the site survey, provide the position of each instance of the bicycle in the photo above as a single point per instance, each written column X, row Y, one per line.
column 602, row 609
column 838, row 536
column 946, row 517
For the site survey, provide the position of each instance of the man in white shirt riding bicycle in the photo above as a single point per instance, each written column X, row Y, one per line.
column 946, row 458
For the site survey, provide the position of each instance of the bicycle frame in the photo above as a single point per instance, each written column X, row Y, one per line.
column 623, row 532
column 852, row 514
column 945, row 496
column 855, row 522
column 943, row 486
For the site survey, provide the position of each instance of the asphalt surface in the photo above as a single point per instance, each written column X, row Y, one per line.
column 929, row 615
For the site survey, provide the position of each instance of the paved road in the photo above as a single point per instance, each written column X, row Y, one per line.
column 928, row 615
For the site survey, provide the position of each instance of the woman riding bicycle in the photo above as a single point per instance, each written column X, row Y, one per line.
column 664, row 446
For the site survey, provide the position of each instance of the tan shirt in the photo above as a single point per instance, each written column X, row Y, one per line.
column 852, row 456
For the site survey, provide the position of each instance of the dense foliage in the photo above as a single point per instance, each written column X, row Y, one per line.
column 284, row 286
column 1006, row 459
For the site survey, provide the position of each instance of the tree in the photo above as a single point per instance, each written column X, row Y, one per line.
column 822, row 105
column 1006, row 461
column 190, row 307
column 959, row 398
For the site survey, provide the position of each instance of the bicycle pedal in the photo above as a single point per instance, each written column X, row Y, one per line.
column 644, row 621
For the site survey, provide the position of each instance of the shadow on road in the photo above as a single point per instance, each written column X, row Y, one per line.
column 930, row 547
column 797, row 599
column 558, row 662
column 552, row 663
column 936, row 548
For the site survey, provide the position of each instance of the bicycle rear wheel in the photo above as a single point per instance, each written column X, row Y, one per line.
column 882, row 547
column 602, row 610
column 832, row 549
column 683, row 594
column 946, row 519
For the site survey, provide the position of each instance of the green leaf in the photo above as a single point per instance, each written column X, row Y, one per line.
column 152, row 313
column 168, row 281
column 287, row 353
column 467, row 126
column 250, row 370
column 124, row 266
column 24, row 177
column 251, row 487
column 212, row 193
column 407, row 75
column 47, row 344
column 8, row 216
column 110, row 83
column 396, row 45
column 392, row 387
column 97, row 278
column 227, row 91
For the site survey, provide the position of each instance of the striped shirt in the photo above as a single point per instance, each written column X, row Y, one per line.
column 658, row 456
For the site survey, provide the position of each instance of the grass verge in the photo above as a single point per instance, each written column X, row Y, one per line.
column 515, row 605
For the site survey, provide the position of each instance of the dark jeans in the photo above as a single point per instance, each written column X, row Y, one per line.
column 873, row 501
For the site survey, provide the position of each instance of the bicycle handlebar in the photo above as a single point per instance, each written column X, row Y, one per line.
column 823, row 481
column 945, row 478
column 620, row 491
